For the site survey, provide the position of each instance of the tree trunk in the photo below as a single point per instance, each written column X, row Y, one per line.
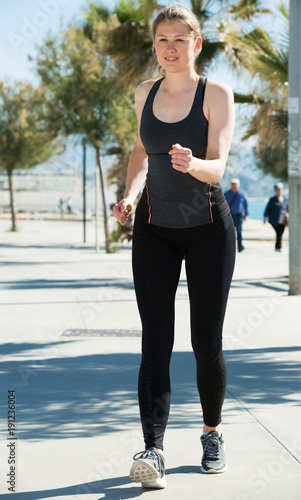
column 104, row 202
column 12, row 201
column 97, row 197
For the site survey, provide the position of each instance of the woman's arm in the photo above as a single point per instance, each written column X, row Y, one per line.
column 138, row 163
column 137, row 170
column 268, row 208
column 267, row 211
column 219, row 105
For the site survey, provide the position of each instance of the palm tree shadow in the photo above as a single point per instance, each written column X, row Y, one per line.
column 63, row 391
column 111, row 488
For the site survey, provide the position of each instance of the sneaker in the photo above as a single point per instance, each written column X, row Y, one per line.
column 241, row 248
column 149, row 469
column 214, row 459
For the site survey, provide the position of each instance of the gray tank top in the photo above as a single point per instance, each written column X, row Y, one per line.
column 171, row 198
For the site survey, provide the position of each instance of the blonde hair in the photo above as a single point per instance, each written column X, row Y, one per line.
column 177, row 12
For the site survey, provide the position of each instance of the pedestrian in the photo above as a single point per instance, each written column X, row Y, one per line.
column 277, row 213
column 69, row 205
column 62, row 207
column 181, row 214
column 238, row 204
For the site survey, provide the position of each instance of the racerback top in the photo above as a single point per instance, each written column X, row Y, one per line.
column 171, row 198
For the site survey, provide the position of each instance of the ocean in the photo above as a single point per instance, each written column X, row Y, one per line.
column 256, row 208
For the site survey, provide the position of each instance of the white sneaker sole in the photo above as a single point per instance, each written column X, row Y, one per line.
column 142, row 472
column 213, row 471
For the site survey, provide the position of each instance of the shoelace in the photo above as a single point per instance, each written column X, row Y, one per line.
column 146, row 454
column 152, row 454
column 212, row 447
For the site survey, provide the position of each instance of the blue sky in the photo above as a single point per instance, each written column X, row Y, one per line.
column 24, row 23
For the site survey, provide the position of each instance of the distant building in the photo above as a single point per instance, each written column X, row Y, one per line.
column 38, row 189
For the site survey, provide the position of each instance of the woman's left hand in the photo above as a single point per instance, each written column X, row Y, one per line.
column 181, row 158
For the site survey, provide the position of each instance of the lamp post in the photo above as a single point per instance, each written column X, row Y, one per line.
column 84, row 144
column 294, row 149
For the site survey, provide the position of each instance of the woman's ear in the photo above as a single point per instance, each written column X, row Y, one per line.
column 198, row 45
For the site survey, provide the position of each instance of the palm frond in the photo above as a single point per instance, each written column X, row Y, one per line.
column 149, row 6
column 128, row 11
column 283, row 10
column 248, row 98
column 97, row 13
column 210, row 51
column 256, row 52
column 246, row 9
column 131, row 46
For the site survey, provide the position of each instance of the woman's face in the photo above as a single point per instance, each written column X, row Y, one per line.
column 175, row 46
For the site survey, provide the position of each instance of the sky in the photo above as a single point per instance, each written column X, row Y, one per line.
column 24, row 23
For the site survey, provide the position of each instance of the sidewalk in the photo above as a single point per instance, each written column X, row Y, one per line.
column 70, row 347
column 256, row 230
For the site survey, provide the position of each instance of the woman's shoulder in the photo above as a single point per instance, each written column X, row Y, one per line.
column 218, row 100
column 273, row 199
column 218, row 90
column 144, row 88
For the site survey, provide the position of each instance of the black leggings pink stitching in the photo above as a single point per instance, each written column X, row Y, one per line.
column 209, row 253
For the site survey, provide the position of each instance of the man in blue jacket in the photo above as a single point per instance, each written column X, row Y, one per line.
column 238, row 204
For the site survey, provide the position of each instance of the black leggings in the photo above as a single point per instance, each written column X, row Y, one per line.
column 209, row 252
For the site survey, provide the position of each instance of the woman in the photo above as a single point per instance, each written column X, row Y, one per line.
column 185, row 127
column 277, row 212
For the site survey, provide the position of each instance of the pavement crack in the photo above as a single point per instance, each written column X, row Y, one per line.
column 262, row 425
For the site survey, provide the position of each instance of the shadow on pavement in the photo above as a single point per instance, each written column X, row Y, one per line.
column 81, row 283
column 276, row 284
column 29, row 284
column 273, row 284
column 102, row 487
column 89, row 395
column 63, row 246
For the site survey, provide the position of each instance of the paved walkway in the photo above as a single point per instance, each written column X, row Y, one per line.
column 70, row 348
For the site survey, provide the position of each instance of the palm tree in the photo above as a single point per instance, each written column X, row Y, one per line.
column 267, row 63
column 129, row 40
column 247, row 9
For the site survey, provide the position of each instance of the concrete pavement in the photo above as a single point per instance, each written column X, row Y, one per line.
column 70, row 348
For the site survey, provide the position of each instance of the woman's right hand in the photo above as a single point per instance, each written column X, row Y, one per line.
column 122, row 210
